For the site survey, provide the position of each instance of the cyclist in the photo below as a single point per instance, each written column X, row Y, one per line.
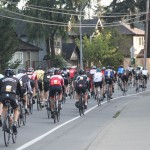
column 1, row 105
column 40, row 76
column 81, row 85
column 109, row 77
column 92, row 72
column 145, row 75
column 98, row 80
column 47, row 76
column 33, row 81
column 9, row 87
column 124, row 78
column 56, row 84
column 65, row 75
column 25, row 85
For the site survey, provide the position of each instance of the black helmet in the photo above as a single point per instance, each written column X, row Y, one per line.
column 81, row 71
column 108, row 67
column 9, row 72
column 21, row 70
column 56, row 72
column 64, row 68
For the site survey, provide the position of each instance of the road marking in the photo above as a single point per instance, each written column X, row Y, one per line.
column 67, row 122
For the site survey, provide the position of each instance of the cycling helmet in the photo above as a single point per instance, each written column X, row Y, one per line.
column 103, row 68
column 30, row 69
column 98, row 70
column 56, row 72
column 64, row 69
column 21, row 70
column 9, row 72
column 93, row 67
column 108, row 67
column 81, row 72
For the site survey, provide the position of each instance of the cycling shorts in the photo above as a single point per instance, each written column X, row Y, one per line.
column 66, row 82
column 9, row 97
column 40, row 85
column 124, row 78
column 108, row 81
column 46, row 86
column 98, row 84
column 54, row 89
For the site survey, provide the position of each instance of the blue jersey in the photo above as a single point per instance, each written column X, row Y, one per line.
column 109, row 73
column 120, row 70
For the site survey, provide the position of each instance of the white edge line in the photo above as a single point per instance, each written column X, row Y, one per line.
column 67, row 122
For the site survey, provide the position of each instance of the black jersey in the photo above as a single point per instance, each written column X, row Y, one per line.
column 10, row 85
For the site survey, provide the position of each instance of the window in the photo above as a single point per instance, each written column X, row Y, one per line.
column 141, row 41
column 17, row 56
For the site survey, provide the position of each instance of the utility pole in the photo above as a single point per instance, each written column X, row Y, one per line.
column 146, row 34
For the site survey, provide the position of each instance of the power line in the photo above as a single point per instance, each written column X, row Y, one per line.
column 75, row 26
column 40, row 19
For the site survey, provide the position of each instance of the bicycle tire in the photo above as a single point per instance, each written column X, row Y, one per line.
column 7, row 132
column 55, row 116
column 14, row 138
column 58, row 115
column 48, row 109
column 80, row 110
column 39, row 107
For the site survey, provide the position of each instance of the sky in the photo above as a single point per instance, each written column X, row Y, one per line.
column 103, row 2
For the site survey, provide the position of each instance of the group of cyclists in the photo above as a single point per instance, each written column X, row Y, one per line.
column 53, row 80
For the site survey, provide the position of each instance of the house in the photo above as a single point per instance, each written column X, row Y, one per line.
column 27, row 54
column 71, row 54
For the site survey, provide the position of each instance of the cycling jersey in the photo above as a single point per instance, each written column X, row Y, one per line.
column 72, row 73
column 9, row 87
column 98, row 76
column 109, row 73
column 24, row 82
column 120, row 70
column 56, row 80
column 40, row 75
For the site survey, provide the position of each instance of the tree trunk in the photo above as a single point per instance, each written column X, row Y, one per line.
column 52, row 52
column 47, row 48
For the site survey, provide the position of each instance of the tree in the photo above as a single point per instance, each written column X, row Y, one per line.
column 52, row 13
column 8, row 40
column 101, row 50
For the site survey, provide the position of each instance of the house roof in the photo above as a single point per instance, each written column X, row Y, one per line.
column 23, row 46
column 68, row 49
column 126, row 29
column 88, row 27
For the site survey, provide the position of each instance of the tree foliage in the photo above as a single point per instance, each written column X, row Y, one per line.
column 52, row 13
column 101, row 50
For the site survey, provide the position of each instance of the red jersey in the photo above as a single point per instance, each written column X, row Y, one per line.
column 72, row 72
column 32, row 75
column 56, row 80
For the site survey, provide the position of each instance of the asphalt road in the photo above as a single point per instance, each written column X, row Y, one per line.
column 122, row 124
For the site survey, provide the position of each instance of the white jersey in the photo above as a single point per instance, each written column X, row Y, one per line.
column 1, row 76
column 92, row 71
column 145, row 72
column 98, row 76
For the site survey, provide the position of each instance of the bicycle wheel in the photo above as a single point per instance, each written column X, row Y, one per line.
column 30, row 106
column 39, row 106
column 48, row 109
column 14, row 138
column 55, row 116
column 80, row 110
column 7, row 131
column 58, row 114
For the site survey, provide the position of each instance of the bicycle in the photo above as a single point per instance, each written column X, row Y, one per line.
column 81, row 104
column 8, row 125
column 63, row 98
column 22, row 115
column 30, row 103
column 143, row 84
column 48, row 107
column 71, row 90
column 108, row 91
column 124, row 87
column 137, row 84
column 98, row 96
column 56, row 108
column 38, row 102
